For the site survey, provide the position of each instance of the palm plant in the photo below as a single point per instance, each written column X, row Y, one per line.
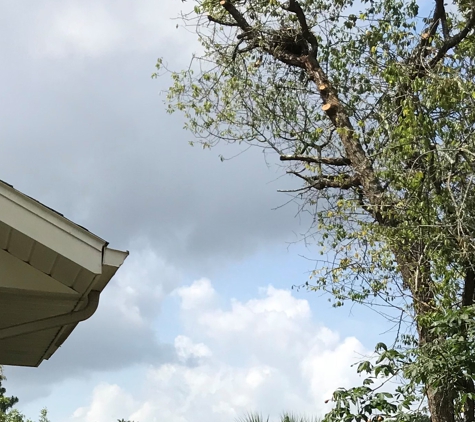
column 286, row 417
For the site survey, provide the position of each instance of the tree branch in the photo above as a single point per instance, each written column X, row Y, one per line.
column 324, row 182
column 236, row 14
column 221, row 22
column 455, row 40
column 468, row 287
column 316, row 160
column 334, row 109
column 246, row 49
column 294, row 7
column 440, row 15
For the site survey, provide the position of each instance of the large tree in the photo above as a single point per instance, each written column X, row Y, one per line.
column 370, row 104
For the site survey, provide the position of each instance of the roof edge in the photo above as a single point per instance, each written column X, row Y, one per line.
column 49, row 215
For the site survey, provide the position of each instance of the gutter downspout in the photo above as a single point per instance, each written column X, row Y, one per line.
column 55, row 321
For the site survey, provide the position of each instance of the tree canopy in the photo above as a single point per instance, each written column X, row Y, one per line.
column 370, row 104
column 7, row 413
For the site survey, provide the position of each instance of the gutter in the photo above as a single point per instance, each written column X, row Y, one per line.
column 54, row 321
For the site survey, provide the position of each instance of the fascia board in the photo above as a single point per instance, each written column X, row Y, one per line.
column 114, row 257
column 111, row 261
column 51, row 229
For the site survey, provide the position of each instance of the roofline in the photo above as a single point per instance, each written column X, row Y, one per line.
column 49, row 228
column 51, row 216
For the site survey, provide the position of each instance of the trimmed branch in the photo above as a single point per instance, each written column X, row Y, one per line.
column 316, row 160
column 221, row 22
column 362, row 166
column 294, row 7
column 440, row 16
column 324, row 182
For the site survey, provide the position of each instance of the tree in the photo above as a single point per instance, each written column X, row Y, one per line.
column 6, row 403
column 8, row 414
column 371, row 105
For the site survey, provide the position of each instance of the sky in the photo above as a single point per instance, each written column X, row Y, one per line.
column 201, row 323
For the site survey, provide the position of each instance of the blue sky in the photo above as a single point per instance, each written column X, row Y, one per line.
column 200, row 323
column 240, row 282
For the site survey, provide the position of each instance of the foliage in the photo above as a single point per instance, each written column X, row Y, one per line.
column 8, row 414
column 6, row 403
column 286, row 417
column 371, row 105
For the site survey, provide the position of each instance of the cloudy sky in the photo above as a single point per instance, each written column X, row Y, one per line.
column 201, row 323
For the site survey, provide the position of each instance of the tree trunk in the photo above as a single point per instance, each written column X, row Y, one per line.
column 416, row 277
column 467, row 300
column 441, row 405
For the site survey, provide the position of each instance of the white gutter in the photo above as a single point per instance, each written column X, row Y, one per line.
column 55, row 321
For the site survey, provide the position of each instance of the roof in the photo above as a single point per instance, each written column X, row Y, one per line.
column 52, row 272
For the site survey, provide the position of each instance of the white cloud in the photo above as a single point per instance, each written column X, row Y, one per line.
column 119, row 335
column 141, row 285
column 266, row 355
column 197, row 296
column 186, row 349
column 109, row 402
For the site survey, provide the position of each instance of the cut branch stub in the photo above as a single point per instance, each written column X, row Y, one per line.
column 323, row 87
column 327, row 106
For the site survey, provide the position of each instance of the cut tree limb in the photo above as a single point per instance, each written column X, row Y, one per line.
column 334, row 110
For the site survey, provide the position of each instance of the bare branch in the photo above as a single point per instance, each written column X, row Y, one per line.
column 221, row 22
column 440, row 15
column 299, row 190
column 236, row 14
column 294, row 7
column 336, row 113
column 455, row 40
column 324, row 182
column 236, row 50
column 469, row 287
column 423, row 49
column 316, row 160
column 246, row 49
